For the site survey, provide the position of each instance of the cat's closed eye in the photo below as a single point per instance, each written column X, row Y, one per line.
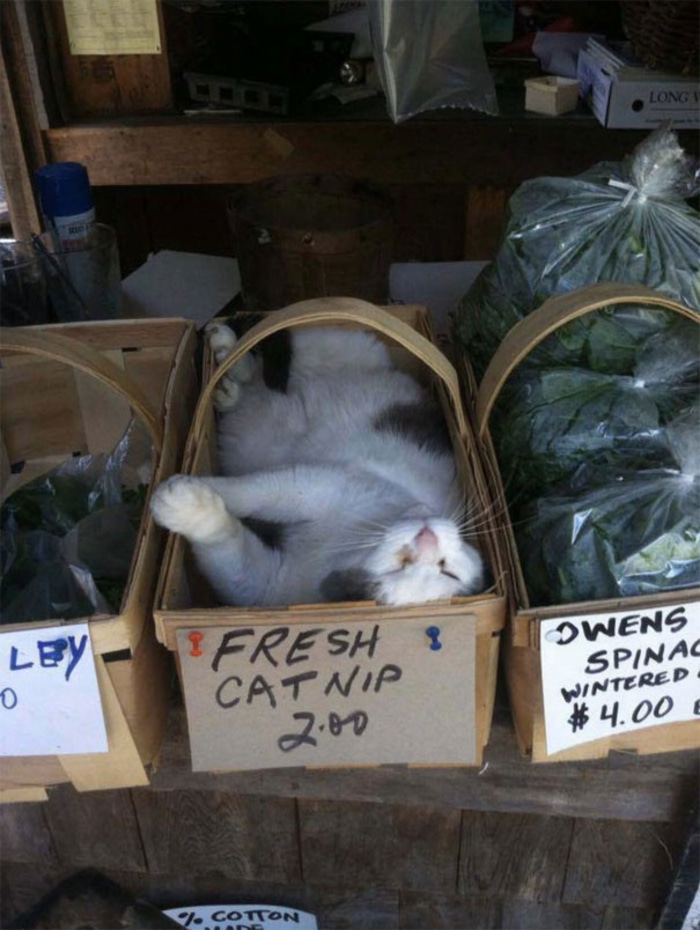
column 444, row 571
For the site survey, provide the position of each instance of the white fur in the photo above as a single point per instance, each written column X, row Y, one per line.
column 351, row 498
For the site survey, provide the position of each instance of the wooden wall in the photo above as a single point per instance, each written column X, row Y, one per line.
column 441, row 222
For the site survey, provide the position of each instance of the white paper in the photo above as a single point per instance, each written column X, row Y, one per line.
column 611, row 673
column 112, row 27
column 181, row 284
column 242, row 917
column 49, row 696
column 437, row 285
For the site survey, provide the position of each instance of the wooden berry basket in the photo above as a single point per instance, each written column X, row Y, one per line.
column 70, row 389
column 523, row 639
column 183, row 609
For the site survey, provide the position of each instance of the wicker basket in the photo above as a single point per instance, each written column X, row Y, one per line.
column 664, row 33
column 182, row 610
column 74, row 387
column 522, row 644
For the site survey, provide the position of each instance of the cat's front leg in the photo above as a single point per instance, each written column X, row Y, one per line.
column 237, row 564
column 189, row 506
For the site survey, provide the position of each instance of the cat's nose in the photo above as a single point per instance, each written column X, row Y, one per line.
column 426, row 540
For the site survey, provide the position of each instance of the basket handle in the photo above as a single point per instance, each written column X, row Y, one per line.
column 60, row 348
column 322, row 310
column 546, row 319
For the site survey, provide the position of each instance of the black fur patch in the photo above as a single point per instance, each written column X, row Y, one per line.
column 352, row 584
column 269, row 533
column 275, row 351
column 422, row 424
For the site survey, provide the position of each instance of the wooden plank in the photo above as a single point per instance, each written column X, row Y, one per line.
column 623, row 786
column 384, row 846
column 484, row 217
column 96, row 829
column 622, row 864
column 463, row 149
column 446, row 912
column 429, row 221
column 516, row 855
column 252, row 838
column 21, row 888
column 629, row 918
column 25, row 835
column 530, row 915
column 21, row 142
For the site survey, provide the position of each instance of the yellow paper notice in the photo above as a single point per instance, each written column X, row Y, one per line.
column 112, row 27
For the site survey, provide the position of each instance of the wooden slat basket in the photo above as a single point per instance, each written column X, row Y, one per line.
column 182, row 605
column 73, row 389
column 522, row 641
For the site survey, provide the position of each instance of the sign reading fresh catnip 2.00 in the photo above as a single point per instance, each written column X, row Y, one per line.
column 604, row 674
column 330, row 693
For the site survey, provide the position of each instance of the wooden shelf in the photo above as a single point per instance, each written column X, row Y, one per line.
column 205, row 150
column 622, row 787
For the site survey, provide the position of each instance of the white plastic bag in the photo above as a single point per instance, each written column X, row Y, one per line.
column 429, row 54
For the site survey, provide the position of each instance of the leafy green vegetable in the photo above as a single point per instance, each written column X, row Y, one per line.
column 68, row 538
column 565, row 233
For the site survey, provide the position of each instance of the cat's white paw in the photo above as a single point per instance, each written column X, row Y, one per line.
column 186, row 505
column 222, row 341
column 226, row 394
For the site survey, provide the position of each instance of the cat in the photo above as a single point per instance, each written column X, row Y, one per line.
column 338, row 480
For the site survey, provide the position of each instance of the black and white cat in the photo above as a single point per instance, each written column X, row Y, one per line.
column 340, row 482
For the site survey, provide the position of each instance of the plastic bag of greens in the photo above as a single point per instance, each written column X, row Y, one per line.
column 68, row 537
column 639, row 533
column 550, row 422
column 625, row 222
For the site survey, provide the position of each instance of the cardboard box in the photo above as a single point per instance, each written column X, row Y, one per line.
column 595, row 702
column 551, row 94
column 74, row 388
column 439, row 712
column 624, row 95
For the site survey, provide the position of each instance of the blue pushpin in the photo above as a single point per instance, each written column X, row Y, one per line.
column 433, row 634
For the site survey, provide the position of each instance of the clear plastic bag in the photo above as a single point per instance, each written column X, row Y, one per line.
column 429, row 54
column 638, row 533
column 68, row 537
column 552, row 425
column 625, row 222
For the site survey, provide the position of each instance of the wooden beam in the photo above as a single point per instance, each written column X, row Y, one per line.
column 21, row 140
column 473, row 150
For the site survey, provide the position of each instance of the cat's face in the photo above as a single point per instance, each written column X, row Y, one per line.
column 424, row 560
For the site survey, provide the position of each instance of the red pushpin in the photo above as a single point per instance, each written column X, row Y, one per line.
column 195, row 637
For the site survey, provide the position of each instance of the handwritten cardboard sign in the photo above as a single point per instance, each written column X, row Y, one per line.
column 329, row 693
column 242, row 917
column 610, row 673
column 49, row 696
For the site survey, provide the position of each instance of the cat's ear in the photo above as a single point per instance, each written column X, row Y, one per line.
column 350, row 584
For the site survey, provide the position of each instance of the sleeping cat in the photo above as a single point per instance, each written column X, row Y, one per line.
column 339, row 484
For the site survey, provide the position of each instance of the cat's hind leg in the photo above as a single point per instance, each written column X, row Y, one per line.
column 235, row 561
column 222, row 341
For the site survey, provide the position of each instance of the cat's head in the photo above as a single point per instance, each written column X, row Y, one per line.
column 415, row 560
